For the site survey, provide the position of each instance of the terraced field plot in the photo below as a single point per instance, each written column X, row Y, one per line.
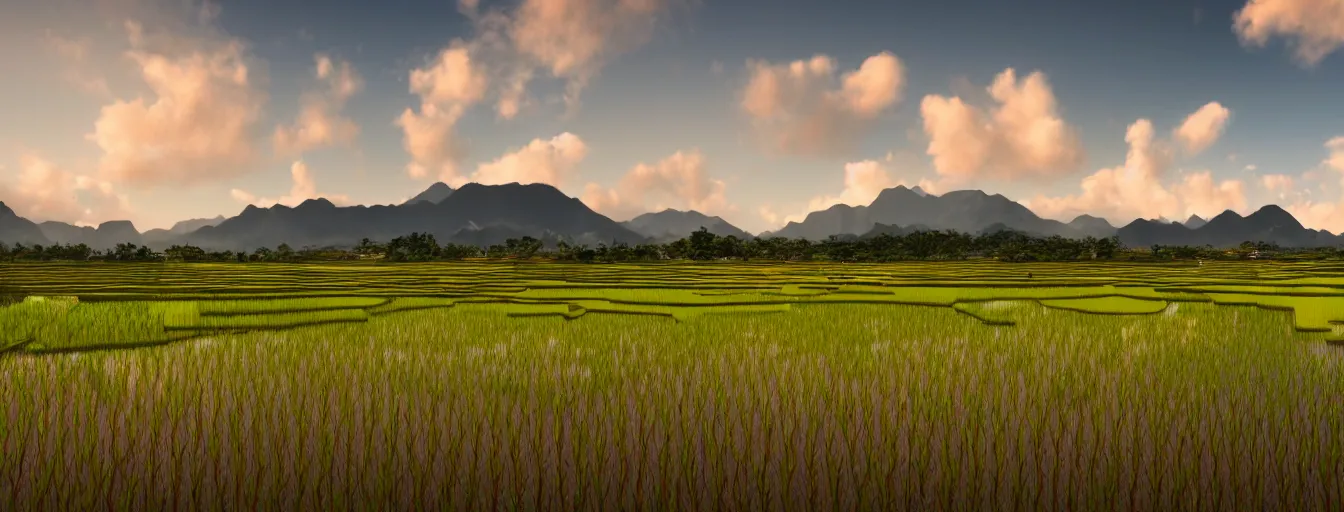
column 727, row 385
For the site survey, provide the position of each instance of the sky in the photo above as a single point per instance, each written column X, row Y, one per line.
column 758, row 111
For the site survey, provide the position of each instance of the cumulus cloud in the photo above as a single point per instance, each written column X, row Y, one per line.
column 800, row 109
column 1137, row 189
column 551, row 161
column 1200, row 195
column 44, row 191
column 1323, row 214
column 606, row 201
column 569, row 39
column 1280, row 185
column 199, row 125
column 1315, row 27
column 678, row 181
column 769, row 215
column 303, row 188
column 319, row 123
column 448, row 85
column 513, row 94
column 1202, row 128
column 573, row 38
column 1021, row 136
column 1336, row 159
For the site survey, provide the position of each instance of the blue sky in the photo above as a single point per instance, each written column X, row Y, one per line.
column 163, row 110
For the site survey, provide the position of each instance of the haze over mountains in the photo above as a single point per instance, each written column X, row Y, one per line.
column 489, row 214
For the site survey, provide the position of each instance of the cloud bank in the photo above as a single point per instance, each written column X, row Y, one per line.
column 43, row 191
column 320, row 123
column 200, row 125
column 447, row 86
column 1138, row 188
column 553, row 162
column 800, row 108
column 1315, row 28
column 1021, row 136
column 678, row 181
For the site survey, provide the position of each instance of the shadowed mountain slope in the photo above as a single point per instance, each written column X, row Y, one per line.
column 670, row 224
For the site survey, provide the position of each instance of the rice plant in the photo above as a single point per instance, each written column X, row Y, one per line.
column 827, row 407
column 985, row 397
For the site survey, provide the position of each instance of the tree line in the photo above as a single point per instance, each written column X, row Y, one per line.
column 700, row 245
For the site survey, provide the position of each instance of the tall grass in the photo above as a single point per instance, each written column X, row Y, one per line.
column 826, row 407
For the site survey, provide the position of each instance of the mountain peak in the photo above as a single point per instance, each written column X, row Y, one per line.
column 1089, row 220
column 1274, row 215
column 1195, row 222
column 6, row 211
column 919, row 191
column 319, row 202
column 117, row 226
column 434, row 194
column 511, row 186
column 670, row 224
column 896, row 193
column 1226, row 216
column 1272, row 209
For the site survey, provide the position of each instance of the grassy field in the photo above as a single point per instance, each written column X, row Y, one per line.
column 534, row 386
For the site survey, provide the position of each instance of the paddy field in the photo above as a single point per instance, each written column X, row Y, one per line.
column 723, row 386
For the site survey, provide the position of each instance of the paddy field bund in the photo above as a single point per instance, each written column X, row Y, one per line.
column 488, row 385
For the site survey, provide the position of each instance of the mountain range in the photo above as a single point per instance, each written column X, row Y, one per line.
column 670, row 225
column 489, row 214
column 968, row 211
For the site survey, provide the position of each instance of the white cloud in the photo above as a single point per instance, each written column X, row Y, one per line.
column 1323, row 214
column 552, row 162
column 319, row 122
column 573, row 39
column 198, row 127
column 513, row 95
column 43, row 191
column 768, row 215
column 303, row 188
column 679, row 178
column 1278, row 184
column 1200, row 195
column 798, row 107
column 1202, row 128
column 1136, row 189
column 1316, row 27
column 447, row 86
column 1022, row 136
column 605, row 200
column 1336, row 159
column 570, row 39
